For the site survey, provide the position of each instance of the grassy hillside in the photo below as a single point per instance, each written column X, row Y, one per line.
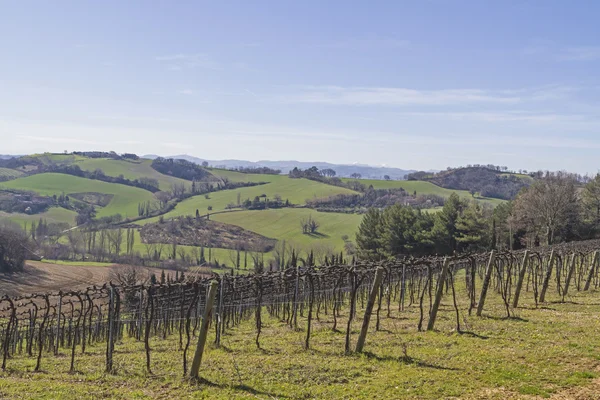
column 544, row 352
column 124, row 202
column 284, row 224
column 297, row 191
column 7, row 173
column 130, row 170
column 422, row 187
column 52, row 215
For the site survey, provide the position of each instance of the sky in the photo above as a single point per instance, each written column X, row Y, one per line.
column 411, row 84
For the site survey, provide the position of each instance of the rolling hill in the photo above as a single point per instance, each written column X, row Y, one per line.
column 124, row 201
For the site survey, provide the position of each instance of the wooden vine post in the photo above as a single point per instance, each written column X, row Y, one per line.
column 570, row 275
column 109, row 345
column 592, row 269
column 60, row 296
column 438, row 295
column 486, row 284
column 547, row 277
column 524, row 265
column 210, row 300
column 370, row 303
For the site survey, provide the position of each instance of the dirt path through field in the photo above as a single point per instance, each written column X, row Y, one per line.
column 39, row 277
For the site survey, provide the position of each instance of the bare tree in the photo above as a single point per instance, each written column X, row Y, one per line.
column 591, row 198
column 548, row 205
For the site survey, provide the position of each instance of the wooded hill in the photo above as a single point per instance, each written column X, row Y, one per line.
column 487, row 181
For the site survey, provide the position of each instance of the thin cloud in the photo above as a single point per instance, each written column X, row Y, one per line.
column 368, row 43
column 178, row 62
column 186, row 92
column 364, row 96
column 393, row 96
column 581, row 53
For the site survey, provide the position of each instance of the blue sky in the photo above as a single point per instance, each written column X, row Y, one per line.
column 421, row 84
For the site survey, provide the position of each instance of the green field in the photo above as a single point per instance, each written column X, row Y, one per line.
column 422, row 187
column 284, row 224
column 130, row 170
column 297, row 191
column 52, row 215
column 7, row 173
column 124, row 202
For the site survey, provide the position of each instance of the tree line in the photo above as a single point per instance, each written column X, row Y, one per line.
column 555, row 208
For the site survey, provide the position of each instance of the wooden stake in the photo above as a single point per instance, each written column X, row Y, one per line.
column 370, row 303
column 438, row 295
column 486, row 284
column 547, row 277
column 524, row 265
column 210, row 300
column 592, row 269
column 570, row 275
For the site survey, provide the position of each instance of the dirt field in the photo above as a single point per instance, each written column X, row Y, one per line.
column 39, row 277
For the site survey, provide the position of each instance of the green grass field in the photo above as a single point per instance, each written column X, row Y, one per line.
column 130, row 170
column 545, row 352
column 422, row 187
column 124, row 202
column 284, row 224
column 52, row 215
column 297, row 191
column 7, row 173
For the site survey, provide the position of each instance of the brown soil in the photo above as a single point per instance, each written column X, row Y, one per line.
column 41, row 277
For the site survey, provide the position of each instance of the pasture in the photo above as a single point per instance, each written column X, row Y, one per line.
column 52, row 215
column 422, row 187
column 297, row 191
column 125, row 198
column 7, row 173
column 284, row 224
column 130, row 170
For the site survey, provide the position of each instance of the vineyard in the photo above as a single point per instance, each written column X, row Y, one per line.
column 39, row 326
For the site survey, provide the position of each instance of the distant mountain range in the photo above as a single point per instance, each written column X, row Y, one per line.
column 7, row 156
column 342, row 170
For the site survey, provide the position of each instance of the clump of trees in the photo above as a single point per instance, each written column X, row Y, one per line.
column 13, row 248
column 180, row 169
column 404, row 231
column 309, row 225
column 378, row 198
column 555, row 208
column 257, row 170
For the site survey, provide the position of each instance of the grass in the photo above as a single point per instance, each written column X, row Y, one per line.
column 130, row 170
column 284, row 224
column 546, row 351
column 422, row 187
column 52, row 215
column 124, row 202
column 297, row 191
column 7, row 173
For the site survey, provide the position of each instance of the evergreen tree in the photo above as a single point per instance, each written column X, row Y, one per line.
column 368, row 238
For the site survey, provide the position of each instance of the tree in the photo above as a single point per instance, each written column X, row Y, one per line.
column 205, row 164
column 548, row 206
column 387, row 177
column 472, row 229
column 405, row 231
column 444, row 228
column 591, row 199
column 368, row 237
column 13, row 248
column 356, row 175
